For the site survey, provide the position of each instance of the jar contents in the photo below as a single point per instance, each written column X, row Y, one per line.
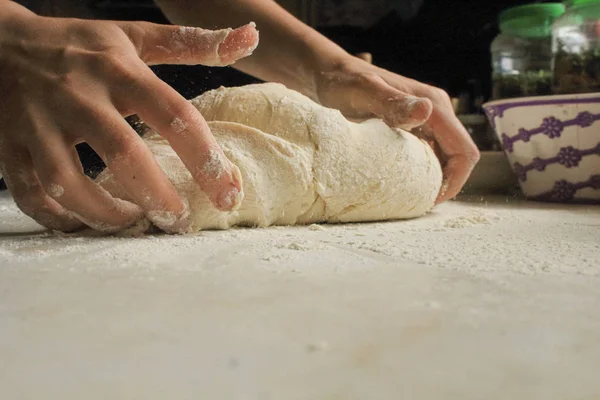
column 576, row 48
column 577, row 72
column 522, row 52
column 529, row 83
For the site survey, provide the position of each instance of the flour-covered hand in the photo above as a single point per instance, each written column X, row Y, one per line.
column 361, row 90
column 67, row 81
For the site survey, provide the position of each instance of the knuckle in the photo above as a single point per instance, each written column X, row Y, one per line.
column 96, row 35
column 54, row 180
column 35, row 205
column 136, row 30
column 473, row 156
column 183, row 114
column 119, row 67
column 29, row 201
column 123, row 148
column 437, row 95
column 370, row 78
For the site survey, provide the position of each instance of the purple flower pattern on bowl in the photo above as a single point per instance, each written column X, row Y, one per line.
column 585, row 119
column 595, row 182
column 538, row 164
column 568, row 156
column 525, row 135
column 552, row 127
column 564, row 191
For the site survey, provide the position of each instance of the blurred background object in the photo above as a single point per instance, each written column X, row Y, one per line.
column 522, row 52
column 576, row 48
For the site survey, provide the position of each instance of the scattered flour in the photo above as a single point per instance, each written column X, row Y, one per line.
column 497, row 238
column 319, row 346
column 213, row 166
column 55, row 191
column 178, row 125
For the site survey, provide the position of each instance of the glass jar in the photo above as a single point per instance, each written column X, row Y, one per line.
column 576, row 48
column 522, row 52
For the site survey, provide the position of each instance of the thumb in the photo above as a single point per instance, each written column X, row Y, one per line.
column 396, row 108
column 171, row 44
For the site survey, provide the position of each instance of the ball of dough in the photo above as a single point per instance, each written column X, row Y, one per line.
column 302, row 163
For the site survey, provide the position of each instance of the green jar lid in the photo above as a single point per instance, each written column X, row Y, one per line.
column 575, row 3
column 532, row 20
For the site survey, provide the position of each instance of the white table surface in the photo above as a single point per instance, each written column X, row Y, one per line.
column 485, row 298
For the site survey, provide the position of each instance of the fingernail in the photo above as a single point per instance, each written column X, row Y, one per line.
column 171, row 222
column 239, row 43
column 226, row 191
column 408, row 112
column 231, row 199
column 418, row 108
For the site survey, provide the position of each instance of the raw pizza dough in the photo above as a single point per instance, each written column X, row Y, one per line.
column 302, row 163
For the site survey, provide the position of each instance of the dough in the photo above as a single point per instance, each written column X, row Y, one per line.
column 302, row 163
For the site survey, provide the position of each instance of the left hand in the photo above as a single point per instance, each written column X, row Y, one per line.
column 361, row 90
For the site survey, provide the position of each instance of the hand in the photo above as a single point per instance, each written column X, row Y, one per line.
column 361, row 90
column 66, row 81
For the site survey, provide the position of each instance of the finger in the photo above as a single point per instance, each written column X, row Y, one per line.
column 177, row 120
column 29, row 195
column 169, row 44
column 371, row 95
column 62, row 178
column 396, row 108
column 460, row 152
column 135, row 168
column 368, row 57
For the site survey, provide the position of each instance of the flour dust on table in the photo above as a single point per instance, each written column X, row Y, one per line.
column 301, row 163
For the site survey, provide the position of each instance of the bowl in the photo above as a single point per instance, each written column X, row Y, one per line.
column 552, row 144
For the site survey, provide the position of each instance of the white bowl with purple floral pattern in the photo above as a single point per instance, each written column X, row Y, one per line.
column 552, row 144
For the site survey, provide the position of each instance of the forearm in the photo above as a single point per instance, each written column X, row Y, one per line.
column 10, row 10
column 289, row 52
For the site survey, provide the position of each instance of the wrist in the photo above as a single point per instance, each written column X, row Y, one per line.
column 320, row 57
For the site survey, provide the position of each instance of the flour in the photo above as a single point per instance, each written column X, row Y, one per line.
column 205, row 44
column 200, row 41
column 298, row 246
column 213, row 167
column 518, row 238
column 178, row 125
column 55, row 191
column 319, row 346
column 467, row 220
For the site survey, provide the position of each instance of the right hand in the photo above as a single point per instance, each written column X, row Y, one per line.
column 67, row 81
